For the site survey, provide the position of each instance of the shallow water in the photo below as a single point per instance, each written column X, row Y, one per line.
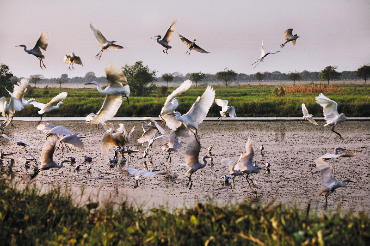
column 290, row 147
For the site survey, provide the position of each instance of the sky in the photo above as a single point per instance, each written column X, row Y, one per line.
column 335, row 33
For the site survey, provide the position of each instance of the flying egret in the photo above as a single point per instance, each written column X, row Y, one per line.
column 192, row 45
column 150, row 134
column 167, row 37
column 193, row 117
column 244, row 165
column 8, row 110
column 331, row 114
column 328, row 156
column 329, row 183
column 307, row 116
column 47, row 153
column 140, row 174
column 72, row 59
column 42, row 43
column 18, row 92
column 171, row 102
column 263, row 55
column 116, row 89
column 225, row 109
column 119, row 137
column 192, row 160
column 44, row 108
column 64, row 135
column 104, row 43
column 289, row 37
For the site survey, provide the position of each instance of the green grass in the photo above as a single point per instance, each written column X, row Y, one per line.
column 31, row 218
column 249, row 101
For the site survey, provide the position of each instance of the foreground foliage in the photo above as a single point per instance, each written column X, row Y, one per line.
column 248, row 100
column 30, row 218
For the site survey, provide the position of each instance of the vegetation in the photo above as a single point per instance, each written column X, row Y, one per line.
column 329, row 73
column 167, row 77
column 196, row 77
column 294, row 76
column 249, row 101
column 5, row 80
column 226, row 76
column 363, row 72
column 34, row 79
column 259, row 76
column 31, row 218
column 140, row 79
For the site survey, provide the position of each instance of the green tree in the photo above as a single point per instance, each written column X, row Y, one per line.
column 90, row 76
column 259, row 76
column 35, row 79
column 167, row 77
column 226, row 75
column 61, row 81
column 294, row 76
column 196, row 77
column 329, row 73
column 140, row 78
column 363, row 72
column 5, row 80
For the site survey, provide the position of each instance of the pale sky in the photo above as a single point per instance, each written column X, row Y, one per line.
column 332, row 32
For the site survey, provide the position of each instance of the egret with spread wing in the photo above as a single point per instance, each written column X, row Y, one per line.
column 306, row 115
column 104, row 43
column 119, row 137
column 44, row 108
column 225, row 108
column 167, row 38
column 192, row 45
column 331, row 114
column 72, row 59
column 18, row 92
column 328, row 156
column 42, row 43
column 289, row 37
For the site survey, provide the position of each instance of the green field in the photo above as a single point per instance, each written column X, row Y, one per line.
column 249, row 101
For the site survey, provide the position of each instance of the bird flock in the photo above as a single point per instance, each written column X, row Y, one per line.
column 180, row 126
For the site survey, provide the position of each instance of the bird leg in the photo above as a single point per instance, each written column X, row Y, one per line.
column 336, row 133
column 189, row 183
column 136, row 183
column 99, row 54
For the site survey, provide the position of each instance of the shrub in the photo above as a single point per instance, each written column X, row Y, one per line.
column 162, row 90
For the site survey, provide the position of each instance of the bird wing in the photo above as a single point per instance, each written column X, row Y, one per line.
column 179, row 90
column 109, row 109
column 72, row 140
column 328, row 156
column 192, row 153
column 60, row 97
column 38, row 104
column 232, row 112
column 99, row 36
column 115, row 46
column 288, row 33
column 304, row 110
column 45, row 127
column 107, row 142
column 167, row 37
column 247, row 159
column 14, row 105
column 48, row 150
column 20, row 88
column 67, row 59
column 159, row 128
column 222, row 103
column 9, row 138
column 42, row 42
column 200, row 108
column 134, row 171
column 199, row 49
column 114, row 75
column 77, row 60
column 171, row 121
column 329, row 106
column 60, row 130
column 326, row 172
column 149, row 134
column 2, row 106
column 174, row 142
column 262, row 51
column 185, row 40
column 310, row 119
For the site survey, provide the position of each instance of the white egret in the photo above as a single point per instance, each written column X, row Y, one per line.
column 72, row 59
column 329, row 183
column 19, row 142
column 328, row 156
column 307, row 116
column 140, row 174
column 225, row 108
column 244, row 165
column 192, row 45
column 116, row 89
column 104, row 43
column 331, row 114
column 44, row 108
column 167, row 37
column 263, row 55
column 47, row 153
column 8, row 110
column 171, row 102
column 192, row 160
column 191, row 120
column 119, row 137
column 42, row 43
column 289, row 37
column 64, row 135
column 18, row 92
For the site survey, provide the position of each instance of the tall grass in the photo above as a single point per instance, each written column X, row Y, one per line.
column 31, row 218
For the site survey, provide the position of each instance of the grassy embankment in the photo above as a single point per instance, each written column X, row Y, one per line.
column 249, row 101
column 30, row 218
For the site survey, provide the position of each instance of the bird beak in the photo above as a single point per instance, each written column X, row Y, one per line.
column 88, row 83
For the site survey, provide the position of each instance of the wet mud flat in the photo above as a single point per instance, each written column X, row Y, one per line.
column 290, row 146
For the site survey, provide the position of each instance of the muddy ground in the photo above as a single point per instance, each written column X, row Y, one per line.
column 290, row 147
